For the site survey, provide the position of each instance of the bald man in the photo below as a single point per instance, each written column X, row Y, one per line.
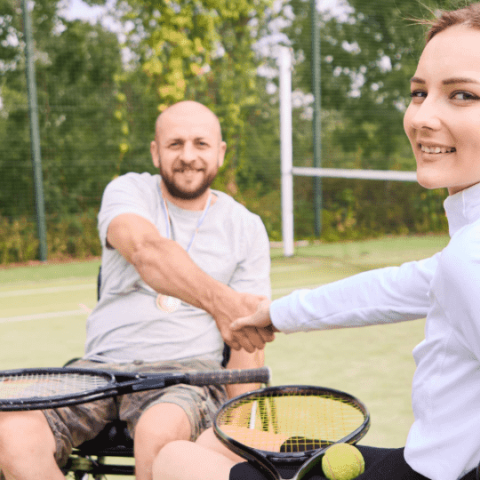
column 180, row 262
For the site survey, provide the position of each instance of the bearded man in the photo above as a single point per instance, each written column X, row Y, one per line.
column 180, row 262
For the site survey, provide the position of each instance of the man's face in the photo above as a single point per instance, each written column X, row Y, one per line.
column 188, row 150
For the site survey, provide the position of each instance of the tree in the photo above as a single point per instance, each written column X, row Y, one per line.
column 367, row 62
column 367, row 59
column 15, row 165
column 203, row 50
column 77, row 94
column 76, row 64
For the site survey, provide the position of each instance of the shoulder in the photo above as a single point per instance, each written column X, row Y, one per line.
column 133, row 193
column 131, row 186
column 142, row 180
column 229, row 207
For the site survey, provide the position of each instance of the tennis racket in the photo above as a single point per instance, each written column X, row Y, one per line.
column 290, row 425
column 38, row 389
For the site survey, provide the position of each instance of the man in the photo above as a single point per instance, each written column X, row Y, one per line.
column 180, row 262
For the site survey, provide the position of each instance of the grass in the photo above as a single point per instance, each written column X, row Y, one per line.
column 373, row 363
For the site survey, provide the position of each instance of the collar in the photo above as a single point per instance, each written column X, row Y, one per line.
column 462, row 208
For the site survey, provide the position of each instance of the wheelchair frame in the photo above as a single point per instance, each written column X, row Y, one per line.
column 89, row 460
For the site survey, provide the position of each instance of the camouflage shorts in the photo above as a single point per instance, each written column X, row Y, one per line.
column 76, row 424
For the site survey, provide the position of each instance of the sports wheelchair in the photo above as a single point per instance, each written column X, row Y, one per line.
column 96, row 458
column 89, row 460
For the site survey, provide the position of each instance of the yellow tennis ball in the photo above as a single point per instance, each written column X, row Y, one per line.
column 343, row 462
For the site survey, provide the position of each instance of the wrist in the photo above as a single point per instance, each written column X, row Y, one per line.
column 216, row 297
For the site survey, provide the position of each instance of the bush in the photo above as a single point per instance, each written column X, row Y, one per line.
column 72, row 236
column 351, row 210
column 18, row 240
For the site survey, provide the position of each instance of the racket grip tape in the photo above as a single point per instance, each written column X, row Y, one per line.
column 252, row 375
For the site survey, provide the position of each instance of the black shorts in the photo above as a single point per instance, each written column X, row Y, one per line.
column 380, row 464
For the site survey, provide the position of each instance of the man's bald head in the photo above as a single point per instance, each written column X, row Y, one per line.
column 188, row 109
column 188, row 151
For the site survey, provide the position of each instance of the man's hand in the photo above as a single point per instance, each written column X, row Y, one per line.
column 233, row 305
column 256, row 329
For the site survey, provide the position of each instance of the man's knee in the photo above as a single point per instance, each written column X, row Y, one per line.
column 25, row 427
column 158, row 426
column 161, row 424
column 24, row 434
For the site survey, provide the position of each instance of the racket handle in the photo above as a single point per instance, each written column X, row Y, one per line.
column 252, row 375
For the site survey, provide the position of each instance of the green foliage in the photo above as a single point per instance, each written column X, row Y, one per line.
column 203, row 50
column 79, row 89
column 367, row 61
column 9, row 10
column 18, row 240
column 267, row 207
column 75, row 69
column 356, row 210
column 97, row 112
column 72, row 236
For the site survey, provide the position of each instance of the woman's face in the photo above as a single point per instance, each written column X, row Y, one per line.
column 442, row 121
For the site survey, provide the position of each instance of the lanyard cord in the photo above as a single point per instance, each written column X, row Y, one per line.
column 165, row 302
column 168, row 222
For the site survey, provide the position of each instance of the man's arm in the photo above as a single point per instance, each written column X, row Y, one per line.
column 165, row 266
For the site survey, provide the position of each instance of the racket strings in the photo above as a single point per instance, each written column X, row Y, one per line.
column 48, row 384
column 286, row 422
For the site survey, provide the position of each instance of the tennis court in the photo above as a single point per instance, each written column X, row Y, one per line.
column 43, row 311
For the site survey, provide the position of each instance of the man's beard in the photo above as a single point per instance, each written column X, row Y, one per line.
column 180, row 166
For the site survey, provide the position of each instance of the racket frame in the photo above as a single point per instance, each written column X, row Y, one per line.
column 266, row 460
column 121, row 383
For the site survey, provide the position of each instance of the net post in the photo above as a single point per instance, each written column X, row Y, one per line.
column 34, row 133
column 286, row 150
column 317, row 116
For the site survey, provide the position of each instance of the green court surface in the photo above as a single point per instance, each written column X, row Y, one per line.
column 43, row 310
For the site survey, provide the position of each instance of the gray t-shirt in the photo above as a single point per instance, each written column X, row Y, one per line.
column 231, row 246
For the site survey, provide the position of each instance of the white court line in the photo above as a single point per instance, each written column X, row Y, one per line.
column 92, row 285
column 42, row 316
column 71, row 313
column 39, row 291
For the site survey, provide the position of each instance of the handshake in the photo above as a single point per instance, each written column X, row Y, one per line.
column 250, row 332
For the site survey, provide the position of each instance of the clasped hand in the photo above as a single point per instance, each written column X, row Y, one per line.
column 251, row 331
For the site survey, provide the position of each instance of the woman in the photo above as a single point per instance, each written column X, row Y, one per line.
column 442, row 123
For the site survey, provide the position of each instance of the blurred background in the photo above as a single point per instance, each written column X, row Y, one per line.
column 103, row 71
